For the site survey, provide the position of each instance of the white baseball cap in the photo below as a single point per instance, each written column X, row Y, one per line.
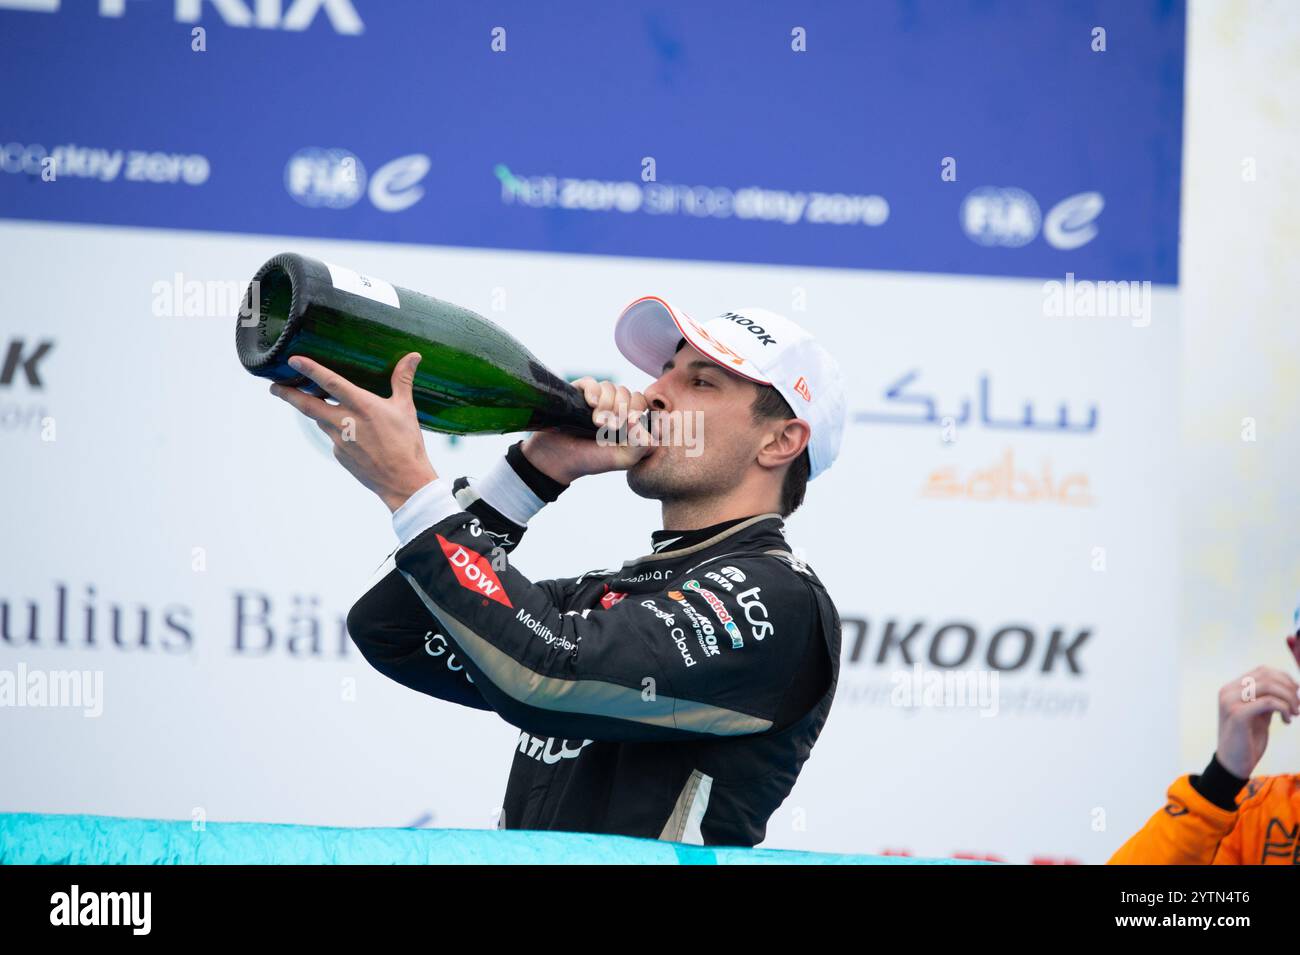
column 753, row 343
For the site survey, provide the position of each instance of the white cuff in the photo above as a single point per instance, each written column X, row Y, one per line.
column 505, row 491
column 426, row 507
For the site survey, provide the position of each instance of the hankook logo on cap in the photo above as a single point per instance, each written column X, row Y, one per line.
column 752, row 326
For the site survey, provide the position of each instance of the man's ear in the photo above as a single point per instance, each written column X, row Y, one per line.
column 784, row 442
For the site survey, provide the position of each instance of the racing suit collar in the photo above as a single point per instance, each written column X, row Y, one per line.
column 668, row 543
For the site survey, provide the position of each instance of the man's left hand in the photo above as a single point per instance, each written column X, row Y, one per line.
column 377, row 439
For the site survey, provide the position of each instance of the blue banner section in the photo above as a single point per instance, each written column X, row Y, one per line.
column 956, row 136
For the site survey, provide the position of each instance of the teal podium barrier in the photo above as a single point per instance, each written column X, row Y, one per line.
column 38, row 839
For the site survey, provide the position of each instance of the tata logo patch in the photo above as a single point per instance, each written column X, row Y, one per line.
column 801, row 389
column 474, row 571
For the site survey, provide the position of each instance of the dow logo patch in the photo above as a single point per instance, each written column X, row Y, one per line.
column 611, row 597
column 474, row 571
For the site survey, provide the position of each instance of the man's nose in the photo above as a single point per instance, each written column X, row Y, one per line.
column 657, row 395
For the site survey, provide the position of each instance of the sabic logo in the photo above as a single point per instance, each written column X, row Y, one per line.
column 19, row 357
column 263, row 15
column 474, row 572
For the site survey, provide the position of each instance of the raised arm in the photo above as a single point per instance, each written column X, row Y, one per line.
column 394, row 630
column 1201, row 816
column 663, row 666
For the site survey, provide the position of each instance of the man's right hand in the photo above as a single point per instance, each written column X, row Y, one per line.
column 566, row 457
column 1246, row 707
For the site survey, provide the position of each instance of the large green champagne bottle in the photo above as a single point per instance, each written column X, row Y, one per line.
column 474, row 378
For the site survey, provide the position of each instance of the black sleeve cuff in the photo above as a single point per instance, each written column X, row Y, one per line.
column 1218, row 785
column 546, row 488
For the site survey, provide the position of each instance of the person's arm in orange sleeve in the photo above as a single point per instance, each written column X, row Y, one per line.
column 1195, row 824
column 1199, row 819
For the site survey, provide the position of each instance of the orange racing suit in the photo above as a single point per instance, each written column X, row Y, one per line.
column 1221, row 819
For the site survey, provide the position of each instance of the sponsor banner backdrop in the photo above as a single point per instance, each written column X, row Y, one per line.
column 998, row 533
column 626, row 129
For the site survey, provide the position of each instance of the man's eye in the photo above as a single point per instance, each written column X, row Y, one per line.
column 703, row 381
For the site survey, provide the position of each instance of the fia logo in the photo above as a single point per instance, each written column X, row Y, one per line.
column 335, row 178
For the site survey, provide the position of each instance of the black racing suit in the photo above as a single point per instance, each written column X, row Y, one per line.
column 675, row 698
